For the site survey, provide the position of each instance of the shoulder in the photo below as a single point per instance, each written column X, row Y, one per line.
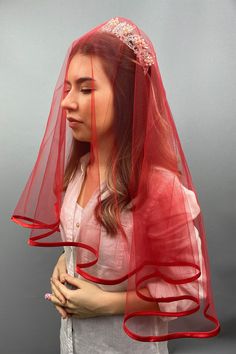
column 166, row 188
column 160, row 179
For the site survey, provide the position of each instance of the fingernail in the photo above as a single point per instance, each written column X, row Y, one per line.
column 47, row 296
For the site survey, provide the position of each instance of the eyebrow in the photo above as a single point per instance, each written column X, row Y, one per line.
column 81, row 80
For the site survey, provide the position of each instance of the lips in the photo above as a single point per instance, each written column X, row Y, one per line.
column 70, row 119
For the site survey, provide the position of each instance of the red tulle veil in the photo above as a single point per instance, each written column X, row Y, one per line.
column 147, row 207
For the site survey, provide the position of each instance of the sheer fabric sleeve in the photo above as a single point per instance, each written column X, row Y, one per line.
column 176, row 296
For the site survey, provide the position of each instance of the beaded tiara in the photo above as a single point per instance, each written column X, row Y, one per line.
column 126, row 33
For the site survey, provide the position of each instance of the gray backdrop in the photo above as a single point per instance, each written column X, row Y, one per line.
column 195, row 46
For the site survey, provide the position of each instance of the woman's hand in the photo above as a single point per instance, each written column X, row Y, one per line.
column 59, row 269
column 88, row 300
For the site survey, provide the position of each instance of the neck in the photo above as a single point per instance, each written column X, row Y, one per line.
column 102, row 155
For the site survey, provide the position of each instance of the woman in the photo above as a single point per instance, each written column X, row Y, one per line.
column 135, row 249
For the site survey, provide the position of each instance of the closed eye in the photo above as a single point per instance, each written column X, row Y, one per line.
column 86, row 91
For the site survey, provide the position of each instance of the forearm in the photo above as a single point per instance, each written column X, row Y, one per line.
column 115, row 302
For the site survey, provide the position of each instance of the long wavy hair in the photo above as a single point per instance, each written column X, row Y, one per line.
column 119, row 64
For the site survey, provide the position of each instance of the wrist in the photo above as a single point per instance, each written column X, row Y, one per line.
column 114, row 302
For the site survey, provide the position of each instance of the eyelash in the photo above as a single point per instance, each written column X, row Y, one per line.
column 85, row 91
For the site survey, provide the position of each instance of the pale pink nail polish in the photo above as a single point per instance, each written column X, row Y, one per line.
column 47, row 296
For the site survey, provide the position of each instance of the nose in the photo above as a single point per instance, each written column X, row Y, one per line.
column 69, row 103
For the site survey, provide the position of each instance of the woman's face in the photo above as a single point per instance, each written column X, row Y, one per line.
column 77, row 101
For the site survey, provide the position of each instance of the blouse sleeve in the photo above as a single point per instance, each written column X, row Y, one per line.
column 162, row 288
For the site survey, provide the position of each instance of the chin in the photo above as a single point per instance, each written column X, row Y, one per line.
column 80, row 137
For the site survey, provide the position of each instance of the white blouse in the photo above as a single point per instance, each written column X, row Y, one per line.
column 102, row 334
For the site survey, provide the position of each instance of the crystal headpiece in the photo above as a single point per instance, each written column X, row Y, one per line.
column 126, row 32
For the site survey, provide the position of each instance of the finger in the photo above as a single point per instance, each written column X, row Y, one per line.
column 60, row 309
column 62, row 312
column 55, row 273
column 71, row 311
column 63, row 268
column 57, row 293
column 55, row 300
column 62, row 277
column 74, row 281
column 62, row 288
